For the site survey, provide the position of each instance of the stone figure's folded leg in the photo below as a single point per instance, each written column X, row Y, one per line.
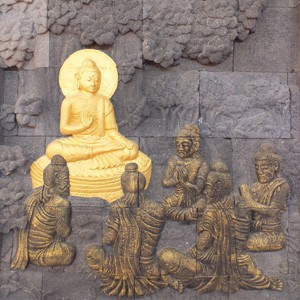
column 57, row 254
column 176, row 263
column 253, row 278
column 99, row 261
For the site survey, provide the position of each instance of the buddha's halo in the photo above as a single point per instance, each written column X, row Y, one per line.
column 105, row 64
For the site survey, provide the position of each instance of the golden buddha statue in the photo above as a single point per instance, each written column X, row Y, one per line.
column 95, row 151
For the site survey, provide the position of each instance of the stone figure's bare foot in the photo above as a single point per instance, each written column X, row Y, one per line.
column 276, row 284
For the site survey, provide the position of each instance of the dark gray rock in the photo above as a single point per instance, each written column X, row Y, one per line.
column 244, row 105
column 272, row 47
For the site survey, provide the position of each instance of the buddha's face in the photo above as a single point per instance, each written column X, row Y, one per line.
column 89, row 81
column 266, row 170
column 184, row 147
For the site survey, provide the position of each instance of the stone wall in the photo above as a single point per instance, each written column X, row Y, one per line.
column 239, row 81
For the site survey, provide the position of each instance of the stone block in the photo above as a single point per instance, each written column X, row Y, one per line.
column 279, row 3
column 295, row 105
column 272, row 47
column 154, row 105
column 61, row 47
column 43, row 84
column 188, row 294
column 244, row 105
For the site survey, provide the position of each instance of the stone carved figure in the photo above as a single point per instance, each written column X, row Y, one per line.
column 48, row 221
column 95, row 150
column 187, row 172
column 133, row 231
column 218, row 261
column 267, row 199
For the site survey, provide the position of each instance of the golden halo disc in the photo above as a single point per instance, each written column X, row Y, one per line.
column 106, row 65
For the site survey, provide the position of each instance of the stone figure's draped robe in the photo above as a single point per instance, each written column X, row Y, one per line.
column 224, row 254
column 265, row 194
column 134, row 240
column 179, row 203
column 40, row 242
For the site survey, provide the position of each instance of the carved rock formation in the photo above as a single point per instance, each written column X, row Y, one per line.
column 202, row 30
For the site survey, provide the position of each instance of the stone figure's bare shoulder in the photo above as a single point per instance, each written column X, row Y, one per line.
column 60, row 202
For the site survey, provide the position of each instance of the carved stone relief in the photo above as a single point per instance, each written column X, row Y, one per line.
column 200, row 30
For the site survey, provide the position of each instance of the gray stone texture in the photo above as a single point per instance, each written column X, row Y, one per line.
column 178, row 64
column 272, row 47
column 244, row 105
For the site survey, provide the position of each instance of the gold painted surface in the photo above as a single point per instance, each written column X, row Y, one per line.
column 128, row 264
column 48, row 211
column 267, row 199
column 95, row 150
column 134, row 226
column 186, row 172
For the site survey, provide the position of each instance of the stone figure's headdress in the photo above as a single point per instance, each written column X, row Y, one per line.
column 267, row 152
column 58, row 164
column 132, row 180
column 220, row 171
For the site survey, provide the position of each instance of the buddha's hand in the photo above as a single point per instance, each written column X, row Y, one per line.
column 86, row 119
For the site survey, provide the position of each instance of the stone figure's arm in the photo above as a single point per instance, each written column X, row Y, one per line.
column 181, row 214
column 112, row 227
column 197, row 186
column 170, row 175
column 202, row 176
column 63, row 225
column 204, row 240
column 205, row 228
column 278, row 202
column 65, row 115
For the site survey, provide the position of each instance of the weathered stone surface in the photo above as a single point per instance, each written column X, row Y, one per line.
column 20, row 23
column 244, row 105
column 272, row 47
column 42, row 84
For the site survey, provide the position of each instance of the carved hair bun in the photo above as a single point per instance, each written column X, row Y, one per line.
column 132, row 167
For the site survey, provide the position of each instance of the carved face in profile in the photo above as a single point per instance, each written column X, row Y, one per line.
column 213, row 190
column 89, row 81
column 184, row 147
column 266, row 170
column 62, row 183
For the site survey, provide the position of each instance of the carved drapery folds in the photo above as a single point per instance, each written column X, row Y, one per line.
column 228, row 226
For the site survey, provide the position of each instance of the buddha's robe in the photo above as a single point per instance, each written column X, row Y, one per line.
column 133, row 233
column 48, row 224
column 178, row 205
column 92, row 145
column 218, row 261
column 268, row 234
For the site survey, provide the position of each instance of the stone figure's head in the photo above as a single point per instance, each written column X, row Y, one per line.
column 267, row 163
column 89, row 77
column 132, row 181
column 188, row 141
column 56, row 177
column 218, row 183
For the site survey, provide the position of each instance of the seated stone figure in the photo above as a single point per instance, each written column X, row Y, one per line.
column 187, row 172
column 218, row 261
column 267, row 199
column 134, row 226
column 49, row 217
column 95, row 151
